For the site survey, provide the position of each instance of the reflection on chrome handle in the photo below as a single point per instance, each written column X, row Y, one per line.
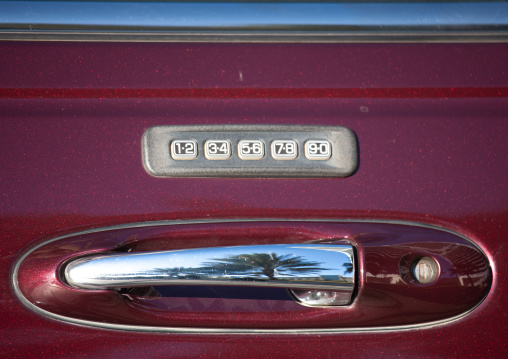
column 321, row 274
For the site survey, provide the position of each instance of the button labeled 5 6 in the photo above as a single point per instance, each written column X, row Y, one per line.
column 251, row 149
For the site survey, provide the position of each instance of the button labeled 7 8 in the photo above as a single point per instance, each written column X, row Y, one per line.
column 284, row 149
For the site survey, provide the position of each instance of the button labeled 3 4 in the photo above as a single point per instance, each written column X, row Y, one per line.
column 217, row 149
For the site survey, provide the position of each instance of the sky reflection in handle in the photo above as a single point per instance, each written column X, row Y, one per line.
column 306, row 266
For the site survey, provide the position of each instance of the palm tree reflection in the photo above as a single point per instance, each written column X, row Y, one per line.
column 258, row 265
column 254, row 265
column 349, row 268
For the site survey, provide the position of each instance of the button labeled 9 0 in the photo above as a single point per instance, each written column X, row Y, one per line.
column 318, row 150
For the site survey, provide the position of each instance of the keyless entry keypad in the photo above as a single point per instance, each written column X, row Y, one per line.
column 249, row 151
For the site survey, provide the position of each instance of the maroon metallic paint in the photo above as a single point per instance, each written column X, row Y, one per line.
column 430, row 120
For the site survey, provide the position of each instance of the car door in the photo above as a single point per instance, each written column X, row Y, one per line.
column 372, row 128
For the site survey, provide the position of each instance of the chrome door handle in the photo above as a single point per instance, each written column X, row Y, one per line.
column 379, row 275
column 318, row 274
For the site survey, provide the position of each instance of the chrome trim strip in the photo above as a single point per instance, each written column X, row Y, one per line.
column 208, row 331
column 254, row 22
column 258, row 37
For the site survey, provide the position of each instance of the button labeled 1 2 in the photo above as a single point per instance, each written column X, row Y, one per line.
column 184, row 149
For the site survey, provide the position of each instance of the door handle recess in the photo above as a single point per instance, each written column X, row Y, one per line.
column 318, row 274
column 344, row 275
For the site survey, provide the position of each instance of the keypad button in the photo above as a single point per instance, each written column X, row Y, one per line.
column 251, row 149
column 318, row 150
column 184, row 149
column 284, row 149
column 217, row 149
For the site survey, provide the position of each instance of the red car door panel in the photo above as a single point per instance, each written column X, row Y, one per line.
column 430, row 121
